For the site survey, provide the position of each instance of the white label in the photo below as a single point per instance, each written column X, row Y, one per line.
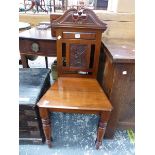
column 124, row 72
column 77, row 35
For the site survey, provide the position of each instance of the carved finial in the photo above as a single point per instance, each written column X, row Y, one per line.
column 79, row 18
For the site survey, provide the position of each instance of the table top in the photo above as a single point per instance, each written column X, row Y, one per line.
column 30, row 86
column 120, row 50
column 35, row 33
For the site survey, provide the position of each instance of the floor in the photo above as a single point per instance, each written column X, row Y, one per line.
column 75, row 134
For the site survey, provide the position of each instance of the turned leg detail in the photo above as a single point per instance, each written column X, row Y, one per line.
column 24, row 61
column 47, row 130
column 104, row 117
column 46, row 125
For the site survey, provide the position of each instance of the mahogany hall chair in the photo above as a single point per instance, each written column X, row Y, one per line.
column 76, row 90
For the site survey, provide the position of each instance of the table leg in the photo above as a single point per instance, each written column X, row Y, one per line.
column 104, row 117
column 46, row 60
column 44, row 114
column 24, row 61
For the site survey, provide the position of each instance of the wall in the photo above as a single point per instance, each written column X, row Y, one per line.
column 120, row 17
column 120, row 25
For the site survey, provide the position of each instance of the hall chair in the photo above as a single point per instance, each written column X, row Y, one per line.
column 76, row 90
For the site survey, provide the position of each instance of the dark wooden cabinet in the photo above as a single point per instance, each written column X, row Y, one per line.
column 33, row 83
column 117, row 78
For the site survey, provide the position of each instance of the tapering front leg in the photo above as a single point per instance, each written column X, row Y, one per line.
column 24, row 61
column 104, row 117
column 44, row 114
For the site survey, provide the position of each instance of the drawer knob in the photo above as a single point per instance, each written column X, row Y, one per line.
column 35, row 47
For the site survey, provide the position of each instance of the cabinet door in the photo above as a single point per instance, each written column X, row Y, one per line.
column 127, row 107
column 122, row 98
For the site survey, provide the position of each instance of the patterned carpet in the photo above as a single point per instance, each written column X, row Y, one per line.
column 75, row 134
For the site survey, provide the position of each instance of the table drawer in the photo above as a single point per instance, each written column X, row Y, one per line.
column 37, row 47
column 79, row 35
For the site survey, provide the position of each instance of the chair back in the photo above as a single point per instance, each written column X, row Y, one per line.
column 78, row 34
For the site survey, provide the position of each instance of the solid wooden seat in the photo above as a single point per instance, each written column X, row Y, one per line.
column 77, row 90
column 77, row 84
column 76, row 93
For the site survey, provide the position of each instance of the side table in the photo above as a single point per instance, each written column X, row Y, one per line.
column 33, row 83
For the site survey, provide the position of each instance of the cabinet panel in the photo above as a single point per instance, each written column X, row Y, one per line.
column 118, row 81
column 108, row 76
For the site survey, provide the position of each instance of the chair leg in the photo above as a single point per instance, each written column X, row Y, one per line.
column 24, row 61
column 104, row 117
column 44, row 114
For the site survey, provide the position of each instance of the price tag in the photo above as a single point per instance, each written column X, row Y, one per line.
column 77, row 35
column 124, row 72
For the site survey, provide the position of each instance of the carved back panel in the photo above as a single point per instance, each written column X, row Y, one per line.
column 78, row 35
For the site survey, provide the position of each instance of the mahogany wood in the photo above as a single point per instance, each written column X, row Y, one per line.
column 46, row 124
column 102, row 127
column 53, row 17
column 84, row 94
column 77, row 54
column 74, row 95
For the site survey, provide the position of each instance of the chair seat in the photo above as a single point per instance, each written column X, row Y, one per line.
column 76, row 94
column 77, row 84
